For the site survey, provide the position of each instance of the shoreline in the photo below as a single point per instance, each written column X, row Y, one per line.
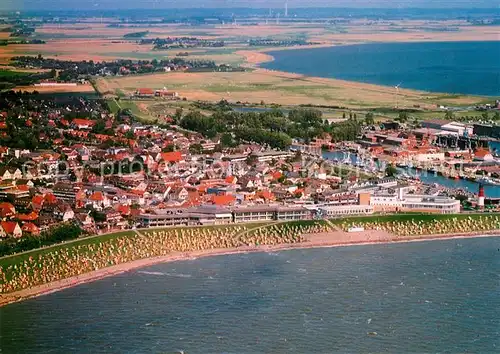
column 326, row 240
column 254, row 59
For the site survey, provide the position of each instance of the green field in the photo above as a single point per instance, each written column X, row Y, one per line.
column 19, row 258
column 406, row 217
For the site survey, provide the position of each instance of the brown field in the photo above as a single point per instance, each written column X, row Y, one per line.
column 278, row 87
column 86, row 30
column 22, row 70
column 254, row 57
column 86, row 88
column 98, row 42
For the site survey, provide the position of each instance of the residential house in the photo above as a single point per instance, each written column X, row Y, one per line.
column 64, row 212
column 98, row 200
column 10, row 173
column 10, row 229
column 30, row 229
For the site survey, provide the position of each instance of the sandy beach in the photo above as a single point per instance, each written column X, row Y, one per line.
column 327, row 239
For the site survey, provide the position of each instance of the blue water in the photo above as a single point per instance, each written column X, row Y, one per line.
column 440, row 296
column 452, row 67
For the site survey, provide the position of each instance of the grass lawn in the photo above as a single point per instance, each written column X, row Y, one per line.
column 113, row 106
column 19, row 258
column 142, row 114
column 9, row 74
column 405, row 217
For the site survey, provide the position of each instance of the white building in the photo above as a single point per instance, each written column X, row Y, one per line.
column 346, row 210
column 415, row 203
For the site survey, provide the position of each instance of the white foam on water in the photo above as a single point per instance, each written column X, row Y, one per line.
column 178, row 275
column 150, row 273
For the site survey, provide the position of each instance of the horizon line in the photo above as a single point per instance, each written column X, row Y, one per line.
column 497, row 9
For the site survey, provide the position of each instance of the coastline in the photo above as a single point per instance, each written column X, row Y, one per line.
column 324, row 240
column 255, row 58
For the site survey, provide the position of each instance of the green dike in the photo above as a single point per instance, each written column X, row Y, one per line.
column 21, row 257
column 407, row 217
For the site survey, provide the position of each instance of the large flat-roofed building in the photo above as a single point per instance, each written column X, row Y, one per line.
column 415, row 203
column 168, row 217
column 272, row 155
column 254, row 213
column 431, row 204
column 211, row 215
column 492, row 131
column 345, row 210
column 65, row 192
column 292, row 213
column 269, row 212
column 204, row 215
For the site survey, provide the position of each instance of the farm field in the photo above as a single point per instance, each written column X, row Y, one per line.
column 273, row 87
column 98, row 41
column 86, row 88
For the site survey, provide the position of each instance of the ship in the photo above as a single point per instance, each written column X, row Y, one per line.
column 488, row 181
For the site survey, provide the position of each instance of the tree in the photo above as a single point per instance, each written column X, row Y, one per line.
column 251, row 160
column 100, row 127
column 169, row 148
column 178, row 115
column 369, row 119
column 496, row 116
column 390, row 170
column 449, row 115
column 403, row 117
column 226, row 140
column 196, row 149
column 485, row 116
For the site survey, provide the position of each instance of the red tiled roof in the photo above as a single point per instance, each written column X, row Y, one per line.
column 225, row 199
column 7, row 205
column 97, row 197
column 174, row 156
column 50, row 198
column 276, row 174
column 123, row 209
column 27, row 217
column 37, row 199
column 30, row 227
column 9, row 226
column 481, row 153
column 145, row 91
column 23, row 187
column 83, row 122
column 266, row 194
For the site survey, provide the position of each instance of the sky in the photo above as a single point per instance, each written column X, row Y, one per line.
column 149, row 4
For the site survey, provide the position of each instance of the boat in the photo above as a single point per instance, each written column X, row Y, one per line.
column 488, row 181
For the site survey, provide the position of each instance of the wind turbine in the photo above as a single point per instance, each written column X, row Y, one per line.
column 397, row 93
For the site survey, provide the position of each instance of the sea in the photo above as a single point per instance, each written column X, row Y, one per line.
column 471, row 68
column 421, row 297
